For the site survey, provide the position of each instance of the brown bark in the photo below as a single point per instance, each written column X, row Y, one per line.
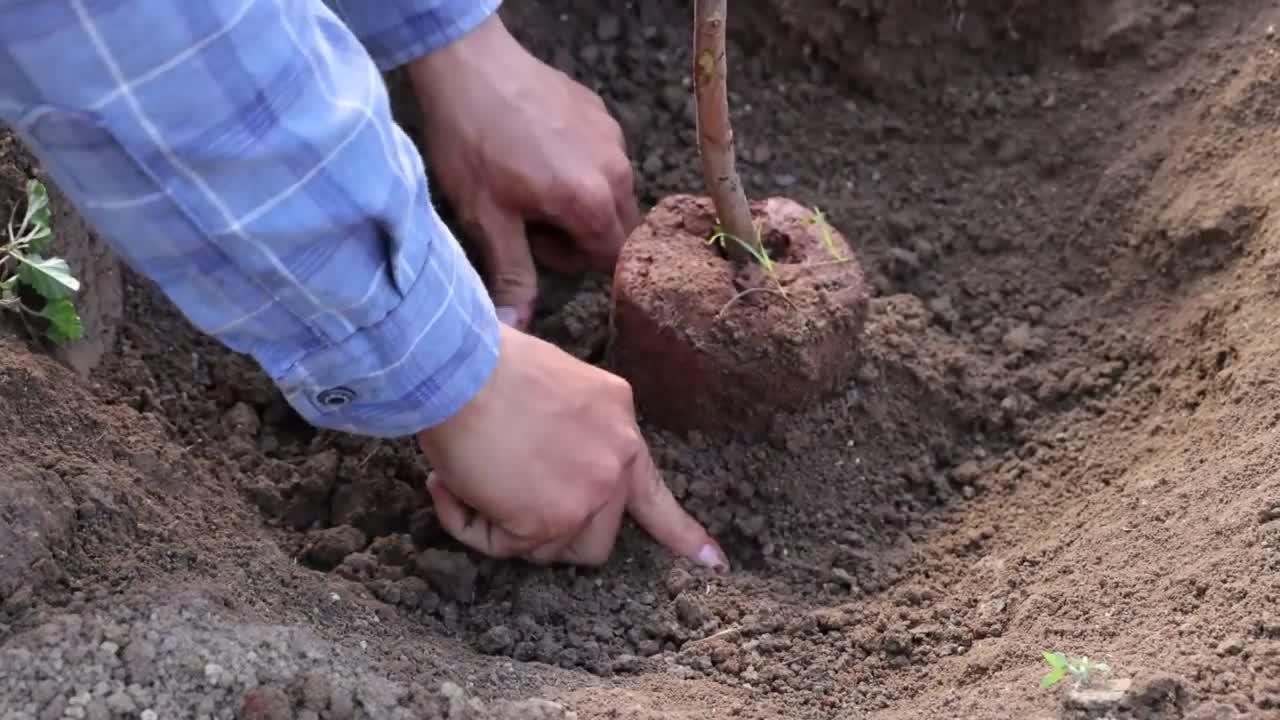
column 715, row 134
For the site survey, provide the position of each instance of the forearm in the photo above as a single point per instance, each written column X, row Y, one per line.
column 398, row 31
column 243, row 156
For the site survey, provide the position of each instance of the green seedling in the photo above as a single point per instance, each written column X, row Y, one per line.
column 1081, row 669
column 758, row 253
column 819, row 218
column 755, row 250
column 23, row 265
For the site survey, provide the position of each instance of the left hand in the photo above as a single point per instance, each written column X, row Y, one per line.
column 505, row 483
column 513, row 140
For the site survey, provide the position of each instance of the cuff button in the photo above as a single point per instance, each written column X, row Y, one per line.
column 336, row 397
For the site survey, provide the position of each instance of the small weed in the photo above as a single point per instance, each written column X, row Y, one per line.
column 757, row 251
column 819, row 218
column 24, row 266
column 761, row 256
column 1080, row 669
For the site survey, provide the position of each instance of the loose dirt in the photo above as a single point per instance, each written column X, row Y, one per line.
column 1062, row 435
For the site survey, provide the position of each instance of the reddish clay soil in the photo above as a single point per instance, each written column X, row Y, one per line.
column 1062, row 434
column 722, row 347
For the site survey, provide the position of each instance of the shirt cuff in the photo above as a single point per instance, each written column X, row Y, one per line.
column 390, row 379
column 394, row 32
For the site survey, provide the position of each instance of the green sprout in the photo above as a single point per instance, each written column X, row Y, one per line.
column 24, row 266
column 758, row 253
column 819, row 218
column 1080, row 669
column 756, row 250
column 761, row 256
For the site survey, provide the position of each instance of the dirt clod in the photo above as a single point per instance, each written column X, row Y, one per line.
column 497, row 641
column 452, row 574
column 716, row 347
column 241, row 420
column 327, row 548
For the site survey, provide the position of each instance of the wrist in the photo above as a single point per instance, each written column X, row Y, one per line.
column 487, row 44
column 469, row 417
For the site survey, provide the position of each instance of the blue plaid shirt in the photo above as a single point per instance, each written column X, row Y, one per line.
column 242, row 154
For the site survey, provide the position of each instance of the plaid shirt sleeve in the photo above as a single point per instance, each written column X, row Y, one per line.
column 397, row 31
column 242, row 155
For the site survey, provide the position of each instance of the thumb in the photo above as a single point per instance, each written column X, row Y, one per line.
column 512, row 276
column 655, row 509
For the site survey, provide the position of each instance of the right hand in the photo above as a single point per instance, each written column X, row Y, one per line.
column 543, row 462
column 513, row 141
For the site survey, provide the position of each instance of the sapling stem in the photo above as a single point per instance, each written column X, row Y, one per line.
column 715, row 134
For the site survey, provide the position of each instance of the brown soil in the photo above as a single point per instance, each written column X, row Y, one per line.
column 1063, row 435
column 719, row 346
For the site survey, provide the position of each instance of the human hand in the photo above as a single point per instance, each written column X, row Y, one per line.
column 513, row 140
column 545, row 460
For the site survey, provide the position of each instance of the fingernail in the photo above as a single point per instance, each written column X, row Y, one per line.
column 508, row 316
column 713, row 558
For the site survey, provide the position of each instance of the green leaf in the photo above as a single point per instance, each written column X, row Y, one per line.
column 50, row 277
column 64, row 322
column 1055, row 659
column 1053, row 677
column 37, row 220
column 38, row 240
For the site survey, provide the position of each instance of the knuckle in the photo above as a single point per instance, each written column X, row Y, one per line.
column 619, row 171
column 606, row 479
column 632, row 444
column 603, row 480
column 590, row 199
column 620, row 389
column 631, row 451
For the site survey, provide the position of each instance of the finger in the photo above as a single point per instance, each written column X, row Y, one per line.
column 467, row 526
column 512, row 277
column 584, row 206
column 656, row 510
column 594, row 544
column 546, row 554
column 627, row 207
column 620, row 174
column 591, row 544
column 555, row 250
